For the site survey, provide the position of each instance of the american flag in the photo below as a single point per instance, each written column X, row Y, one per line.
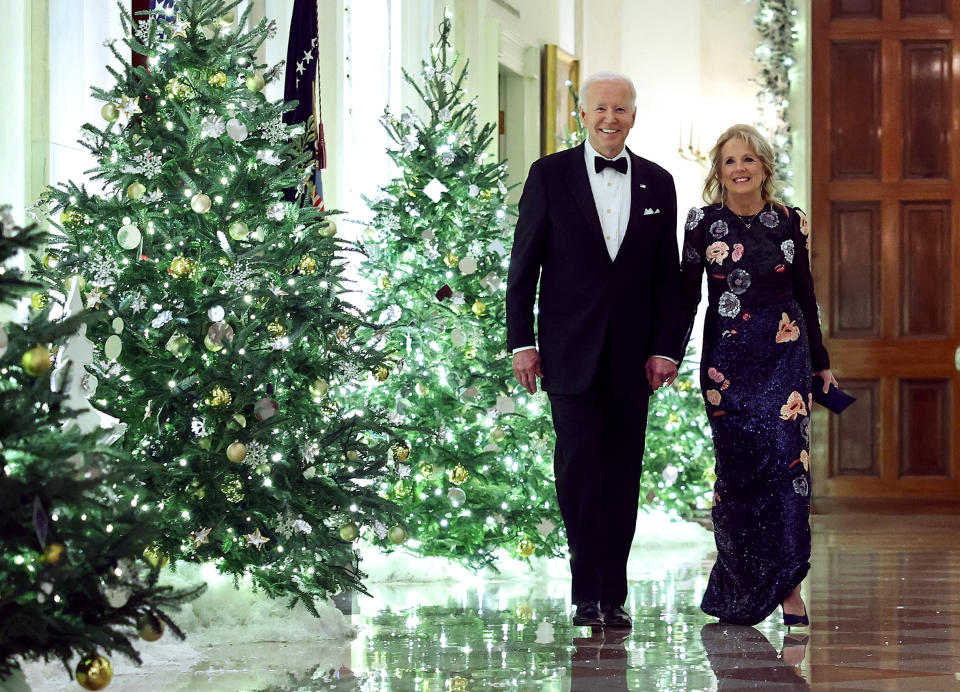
column 303, row 85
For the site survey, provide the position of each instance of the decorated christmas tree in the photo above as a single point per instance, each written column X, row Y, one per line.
column 73, row 579
column 227, row 344
column 478, row 472
column 678, row 464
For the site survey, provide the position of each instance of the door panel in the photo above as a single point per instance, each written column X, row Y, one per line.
column 885, row 238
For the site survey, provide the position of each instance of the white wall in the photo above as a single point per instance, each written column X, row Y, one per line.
column 692, row 62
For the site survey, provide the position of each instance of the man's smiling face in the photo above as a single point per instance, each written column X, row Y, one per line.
column 608, row 114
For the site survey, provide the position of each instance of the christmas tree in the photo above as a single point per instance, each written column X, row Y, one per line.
column 228, row 345
column 477, row 474
column 73, row 578
column 678, row 464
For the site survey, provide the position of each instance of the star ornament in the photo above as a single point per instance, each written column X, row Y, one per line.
column 200, row 537
column 255, row 539
column 94, row 298
column 129, row 107
column 178, row 27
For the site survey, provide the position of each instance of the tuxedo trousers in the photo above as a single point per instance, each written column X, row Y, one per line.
column 597, row 465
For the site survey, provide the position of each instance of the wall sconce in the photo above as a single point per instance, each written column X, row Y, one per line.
column 689, row 152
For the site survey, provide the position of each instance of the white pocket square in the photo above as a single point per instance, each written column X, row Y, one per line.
column 648, row 211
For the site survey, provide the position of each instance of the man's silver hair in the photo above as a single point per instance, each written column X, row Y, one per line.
column 607, row 76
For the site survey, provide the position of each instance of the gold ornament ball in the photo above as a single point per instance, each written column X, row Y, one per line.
column 179, row 91
column 94, row 672
column 255, row 82
column 276, row 329
column 52, row 553
column 401, row 452
column 218, row 79
column 307, row 265
column 381, row 373
column 182, row 267
column 526, row 548
column 38, row 301
column 397, row 534
column 237, row 452
column 421, row 389
column 36, row 361
column 50, row 260
column 219, row 397
column 459, row 474
column 75, row 279
column 318, row 388
column 479, row 308
column 497, row 434
column 71, row 218
column 426, row 469
column 150, row 627
column 525, row 611
column 232, row 489
column 110, row 112
column 179, row 345
column 385, row 283
column 353, row 455
column 200, row 203
column 238, row 230
column 451, row 260
column 349, row 532
column 155, row 557
column 328, row 230
column 136, row 190
column 458, row 684
column 211, row 345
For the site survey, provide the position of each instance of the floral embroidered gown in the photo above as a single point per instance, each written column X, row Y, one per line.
column 761, row 343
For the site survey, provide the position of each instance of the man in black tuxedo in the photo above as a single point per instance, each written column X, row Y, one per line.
column 597, row 228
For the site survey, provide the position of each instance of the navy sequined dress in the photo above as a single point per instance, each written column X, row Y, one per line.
column 761, row 343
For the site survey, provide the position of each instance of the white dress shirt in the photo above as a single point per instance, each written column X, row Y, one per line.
column 611, row 194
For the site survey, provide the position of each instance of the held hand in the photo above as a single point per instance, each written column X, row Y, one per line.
column 526, row 368
column 828, row 379
column 660, row 372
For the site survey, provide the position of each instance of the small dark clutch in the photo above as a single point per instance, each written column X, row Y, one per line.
column 836, row 399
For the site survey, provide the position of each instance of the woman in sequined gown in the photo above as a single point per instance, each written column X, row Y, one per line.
column 761, row 344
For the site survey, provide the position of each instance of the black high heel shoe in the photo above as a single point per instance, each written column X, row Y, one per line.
column 791, row 620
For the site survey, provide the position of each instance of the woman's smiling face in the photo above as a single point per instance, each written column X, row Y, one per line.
column 741, row 170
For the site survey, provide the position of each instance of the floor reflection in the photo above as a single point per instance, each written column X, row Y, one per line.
column 882, row 597
column 743, row 659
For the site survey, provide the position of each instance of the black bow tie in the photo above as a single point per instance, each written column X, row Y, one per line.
column 619, row 165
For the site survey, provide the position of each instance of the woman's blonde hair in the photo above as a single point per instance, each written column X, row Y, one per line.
column 713, row 191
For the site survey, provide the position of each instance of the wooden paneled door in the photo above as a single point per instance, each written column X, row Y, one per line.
column 886, row 243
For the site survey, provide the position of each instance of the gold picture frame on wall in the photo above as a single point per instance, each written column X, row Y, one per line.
column 558, row 116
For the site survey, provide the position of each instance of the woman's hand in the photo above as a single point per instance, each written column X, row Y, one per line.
column 828, row 379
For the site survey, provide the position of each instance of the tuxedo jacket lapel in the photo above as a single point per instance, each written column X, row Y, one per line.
column 579, row 185
column 638, row 203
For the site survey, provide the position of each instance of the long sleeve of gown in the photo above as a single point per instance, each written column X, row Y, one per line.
column 803, row 291
column 691, row 274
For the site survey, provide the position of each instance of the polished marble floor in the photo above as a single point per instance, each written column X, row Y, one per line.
column 883, row 595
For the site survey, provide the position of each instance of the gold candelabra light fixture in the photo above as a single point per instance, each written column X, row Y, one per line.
column 691, row 152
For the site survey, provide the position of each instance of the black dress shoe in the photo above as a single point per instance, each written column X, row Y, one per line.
column 587, row 615
column 616, row 616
